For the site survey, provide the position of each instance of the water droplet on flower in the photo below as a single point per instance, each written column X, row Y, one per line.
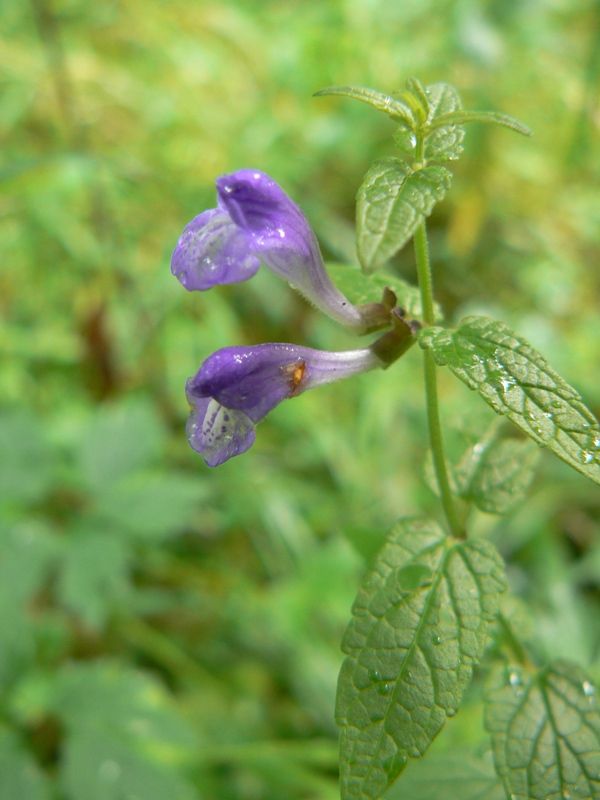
column 228, row 189
column 281, row 233
column 588, row 689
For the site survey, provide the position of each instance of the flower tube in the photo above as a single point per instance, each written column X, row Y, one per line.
column 236, row 387
column 256, row 222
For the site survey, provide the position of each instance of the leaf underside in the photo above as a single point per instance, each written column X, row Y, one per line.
column 545, row 733
column 392, row 202
column 515, row 380
column 419, row 626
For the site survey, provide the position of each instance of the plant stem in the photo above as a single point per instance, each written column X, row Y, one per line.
column 431, row 394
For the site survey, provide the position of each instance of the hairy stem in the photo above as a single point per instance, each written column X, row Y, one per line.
column 433, row 414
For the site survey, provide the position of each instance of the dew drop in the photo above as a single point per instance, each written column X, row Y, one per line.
column 586, row 457
column 384, row 688
column 596, row 442
column 451, row 712
column 588, row 689
column 436, row 639
column 514, row 679
column 374, row 675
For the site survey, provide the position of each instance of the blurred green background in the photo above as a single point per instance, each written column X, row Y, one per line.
column 168, row 631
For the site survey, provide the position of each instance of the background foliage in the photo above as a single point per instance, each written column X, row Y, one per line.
column 171, row 631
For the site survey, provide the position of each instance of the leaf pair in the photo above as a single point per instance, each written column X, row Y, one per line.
column 397, row 195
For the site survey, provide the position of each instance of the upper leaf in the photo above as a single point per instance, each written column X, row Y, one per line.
column 419, row 626
column 443, row 141
column 394, row 107
column 516, row 380
column 459, row 117
column 545, row 733
column 392, row 202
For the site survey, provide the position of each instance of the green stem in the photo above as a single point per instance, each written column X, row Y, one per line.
column 433, row 413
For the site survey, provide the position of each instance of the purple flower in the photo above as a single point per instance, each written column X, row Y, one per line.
column 236, row 387
column 256, row 222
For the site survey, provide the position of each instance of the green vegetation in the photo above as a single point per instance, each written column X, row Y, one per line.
column 170, row 631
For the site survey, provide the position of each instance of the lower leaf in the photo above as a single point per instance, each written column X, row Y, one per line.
column 420, row 624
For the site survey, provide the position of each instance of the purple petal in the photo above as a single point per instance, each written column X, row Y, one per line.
column 211, row 251
column 283, row 239
column 256, row 379
column 218, row 433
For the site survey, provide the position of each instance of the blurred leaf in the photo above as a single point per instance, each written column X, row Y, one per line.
column 545, row 732
column 391, row 203
column 120, row 439
column 20, row 778
column 28, row 555
column 516, row 380
column 420, row 625
column 444, row 142
column 361, row 288
column 390, row 105
column 448, row 776
column 151, row 505
column 27, row 460
column 123, row 737
column 496, row 475
column 94, row 576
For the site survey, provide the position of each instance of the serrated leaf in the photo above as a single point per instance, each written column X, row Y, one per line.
column 545, row 732
column 515, row 380
column 123, row 738
column 361, row 288
column 447, row 776
column 419, row 625
column 456, row 117
column 151, row 505
column 120, row 439
column 20, row 777
column 94, row 576
column 443, row 140
column 390, row 105
column 392, row 202
column 496, row 475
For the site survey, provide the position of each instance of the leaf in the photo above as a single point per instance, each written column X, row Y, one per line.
column 390, row 105
column 19, row 775
column 28, row 557
column 94, row 578
column 443, row 141
column 123, row 738
column 361, row 288
column 515, row 380
column 420, row 624
column 493, row 117
column 444, row 776
column 391, row 204
column 27, row 459
column 151, row 506
column 545, row 732
column 496, row 475
column 120, row 439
